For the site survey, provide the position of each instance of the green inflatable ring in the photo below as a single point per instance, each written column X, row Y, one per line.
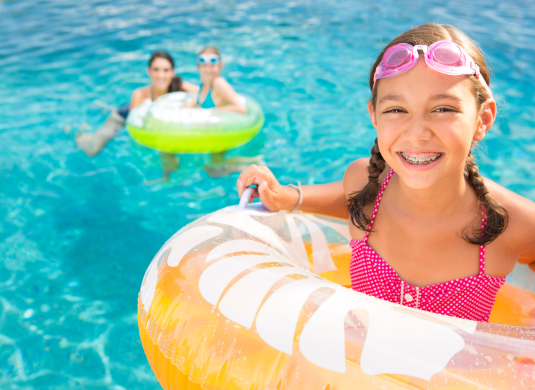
column 167, row 126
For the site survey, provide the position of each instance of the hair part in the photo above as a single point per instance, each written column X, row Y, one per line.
column 161, row 54
column 210, row 50
column 497, row 216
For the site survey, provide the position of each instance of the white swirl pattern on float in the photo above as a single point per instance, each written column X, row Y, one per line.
column 234, row 246
column 180, row 244
column 397, row 342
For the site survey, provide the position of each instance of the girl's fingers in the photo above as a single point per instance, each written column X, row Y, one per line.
column 254, row 179
column 263, row 178
column 266, row 195
column 253, row 196
column 241, row 188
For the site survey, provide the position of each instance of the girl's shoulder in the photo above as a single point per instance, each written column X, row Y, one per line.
column 521, row 225
column 513, row 202
column 142, row 92
column 139, row 96
column 220, row 83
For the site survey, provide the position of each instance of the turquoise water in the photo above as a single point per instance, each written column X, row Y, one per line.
column 77, row 234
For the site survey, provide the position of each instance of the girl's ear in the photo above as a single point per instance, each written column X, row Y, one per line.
column 372, row 114
column 486, row 119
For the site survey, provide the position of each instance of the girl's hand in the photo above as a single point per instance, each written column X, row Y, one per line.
column 190, row 104
column 273, row 196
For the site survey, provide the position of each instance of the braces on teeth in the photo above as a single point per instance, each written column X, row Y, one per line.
column 420, row 160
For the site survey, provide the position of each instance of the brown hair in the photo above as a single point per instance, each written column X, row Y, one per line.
column 497, row 216
column 176, row 82
column 210, row 50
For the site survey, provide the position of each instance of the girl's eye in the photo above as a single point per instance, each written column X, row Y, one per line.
column 445, row 109
column 394, row 111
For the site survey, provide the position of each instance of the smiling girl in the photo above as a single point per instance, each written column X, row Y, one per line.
column 216, row 93
column 161, row 71
column 428, row 231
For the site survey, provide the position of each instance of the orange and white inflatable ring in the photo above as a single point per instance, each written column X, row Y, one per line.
column 248, row 299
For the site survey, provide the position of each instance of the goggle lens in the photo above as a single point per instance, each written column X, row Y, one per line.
column 447, row 54
column 212, row 60
column 396, row 57
column 443, row 56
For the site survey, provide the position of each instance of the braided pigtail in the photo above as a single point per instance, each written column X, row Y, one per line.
column 497, row 216
column 357, row 201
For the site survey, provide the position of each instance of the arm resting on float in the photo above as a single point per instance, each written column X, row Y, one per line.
column 528, row 257
column 224, row 89
column 528, row 228
column 189, row 87
column 232, row 108
column 519, row 236
column 328, row 199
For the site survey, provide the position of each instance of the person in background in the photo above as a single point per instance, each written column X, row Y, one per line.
column 161, row 71
column 217, row 94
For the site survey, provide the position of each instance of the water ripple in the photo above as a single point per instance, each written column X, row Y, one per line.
column 77, row 233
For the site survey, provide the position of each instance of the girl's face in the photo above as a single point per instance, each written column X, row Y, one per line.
column 209, row 72
column 425, row 123
column 161, row 73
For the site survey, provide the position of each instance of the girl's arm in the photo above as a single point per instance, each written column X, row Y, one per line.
column 321, row 198
column 224, row 89
column 524, row 212
column 189, row 87
column 519, row 237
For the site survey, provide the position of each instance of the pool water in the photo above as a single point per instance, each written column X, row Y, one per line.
column 76, row 234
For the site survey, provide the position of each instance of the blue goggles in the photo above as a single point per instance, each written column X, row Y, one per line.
column 211, row 59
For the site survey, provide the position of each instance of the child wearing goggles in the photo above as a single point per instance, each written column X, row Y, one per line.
column 215, row 92
column 428, row 231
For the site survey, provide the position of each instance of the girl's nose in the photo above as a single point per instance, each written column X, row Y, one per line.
column 418, row 130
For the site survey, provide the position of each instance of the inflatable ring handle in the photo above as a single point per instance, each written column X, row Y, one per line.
column 244, row 200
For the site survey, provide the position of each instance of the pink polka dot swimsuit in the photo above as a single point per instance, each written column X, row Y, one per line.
column 471, row 298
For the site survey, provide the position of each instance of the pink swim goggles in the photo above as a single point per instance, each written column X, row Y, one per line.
column 443, row 56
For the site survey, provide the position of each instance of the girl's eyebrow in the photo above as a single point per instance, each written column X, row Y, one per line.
column 393, row 98
column 445, row 96
column 400, row 99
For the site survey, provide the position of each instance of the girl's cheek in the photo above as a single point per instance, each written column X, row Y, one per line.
column 387, row 134
column 385, row 140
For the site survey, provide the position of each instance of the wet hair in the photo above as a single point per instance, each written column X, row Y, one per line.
column 210, row 50
column 176, row 82
column 497, row 216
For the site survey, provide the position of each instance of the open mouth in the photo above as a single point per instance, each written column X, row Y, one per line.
column 420, row 159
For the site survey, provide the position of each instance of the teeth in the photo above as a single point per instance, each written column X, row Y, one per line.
column 420, row 160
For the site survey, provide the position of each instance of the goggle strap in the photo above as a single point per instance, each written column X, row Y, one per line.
column 480, row 77
column 375, row 78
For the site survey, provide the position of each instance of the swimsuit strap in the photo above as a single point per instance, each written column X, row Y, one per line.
column 199, row 94
column 482, row 247
column 379, row 196
column 208, row 102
